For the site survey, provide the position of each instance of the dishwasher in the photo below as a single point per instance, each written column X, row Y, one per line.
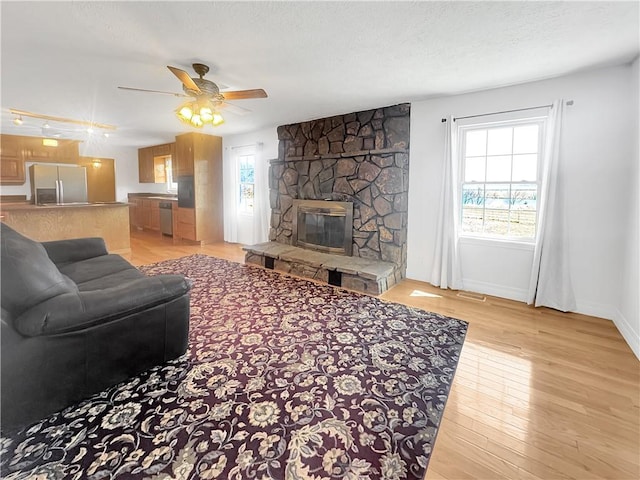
column 166, row 218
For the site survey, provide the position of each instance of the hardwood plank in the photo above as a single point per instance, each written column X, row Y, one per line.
column 538, row 394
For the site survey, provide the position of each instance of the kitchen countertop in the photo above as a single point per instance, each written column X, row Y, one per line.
column 6, row 207
column 166, row 199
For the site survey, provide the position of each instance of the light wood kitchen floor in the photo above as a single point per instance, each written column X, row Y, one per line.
column 538, row 394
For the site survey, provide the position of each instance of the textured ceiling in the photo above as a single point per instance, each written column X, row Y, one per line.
column 314, row 59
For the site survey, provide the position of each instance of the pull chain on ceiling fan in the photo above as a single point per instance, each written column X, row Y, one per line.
column 206, row 97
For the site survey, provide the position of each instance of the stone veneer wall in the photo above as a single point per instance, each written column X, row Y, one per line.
column 360, row 157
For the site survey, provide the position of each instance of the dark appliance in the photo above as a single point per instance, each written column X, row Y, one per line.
column 186, row 192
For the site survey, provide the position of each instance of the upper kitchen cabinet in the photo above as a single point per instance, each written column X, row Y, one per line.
column 16, row 149
column 11, row 161
column 152, row 162
column 184, row 155
column 37, row 149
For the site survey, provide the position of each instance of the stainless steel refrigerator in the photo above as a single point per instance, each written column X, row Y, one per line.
column 51, row 184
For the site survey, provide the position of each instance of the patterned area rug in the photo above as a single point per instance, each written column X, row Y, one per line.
column 284, row 379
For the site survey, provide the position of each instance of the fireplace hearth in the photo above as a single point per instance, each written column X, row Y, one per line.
column 324, row 226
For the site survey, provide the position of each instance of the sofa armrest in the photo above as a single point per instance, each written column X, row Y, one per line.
column 71, row 312
column 75, row 250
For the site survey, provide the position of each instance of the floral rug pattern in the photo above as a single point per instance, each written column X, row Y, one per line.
column 283, row 379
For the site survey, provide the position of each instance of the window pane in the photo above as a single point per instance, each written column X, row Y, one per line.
column 525, row 139
column 476, row 143
column 498, row 196
column 499, row 169
column 472, row 219
column 523, row 223
column 496, row 222
column 473, row 195
column 525, row 168
column 499, row 141
column 524, row 197
column 474, row 169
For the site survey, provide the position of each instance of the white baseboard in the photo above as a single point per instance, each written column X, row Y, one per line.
column 626, row 329
column 495, row 290
column 599, row 310
column 592, row 309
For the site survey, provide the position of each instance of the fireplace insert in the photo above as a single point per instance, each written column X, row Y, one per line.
column 323, row 225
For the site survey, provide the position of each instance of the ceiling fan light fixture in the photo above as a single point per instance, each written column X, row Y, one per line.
column 199, row 113
column 196, row 121
column 206, row 114
column 185, row 112
column 217, row 119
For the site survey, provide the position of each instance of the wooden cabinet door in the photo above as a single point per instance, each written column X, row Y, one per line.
column 133, row 214
column 11, row 161
column 145, row 213
column 155, row 215
column 162, row 150
column 187, row 223
column 145, row 165
column 184, row 155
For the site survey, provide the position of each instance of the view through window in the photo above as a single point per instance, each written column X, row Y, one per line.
column 500, row 179
column 246, row 165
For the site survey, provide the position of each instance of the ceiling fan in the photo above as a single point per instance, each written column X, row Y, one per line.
column 206, row 95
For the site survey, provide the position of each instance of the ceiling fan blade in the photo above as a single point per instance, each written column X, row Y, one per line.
column 153, row 91
column 185, row 79
column 244, row 94
column 234, row 108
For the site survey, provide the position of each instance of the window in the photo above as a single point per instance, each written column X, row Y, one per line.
column 172, row 185
column 246, row 164
column 500, row 179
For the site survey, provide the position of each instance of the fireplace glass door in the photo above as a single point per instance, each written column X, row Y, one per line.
column 324, row 226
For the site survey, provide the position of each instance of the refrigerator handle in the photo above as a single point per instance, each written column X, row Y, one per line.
column 61, row 183
column 57, row 191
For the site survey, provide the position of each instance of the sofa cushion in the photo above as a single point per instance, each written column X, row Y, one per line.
column 28, row 274
column 97, row 268
column 111, row 280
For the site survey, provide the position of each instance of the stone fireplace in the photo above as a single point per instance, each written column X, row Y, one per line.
column 361, row 159
column 323, row 226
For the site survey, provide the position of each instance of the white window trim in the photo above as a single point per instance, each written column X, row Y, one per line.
column 501, row 121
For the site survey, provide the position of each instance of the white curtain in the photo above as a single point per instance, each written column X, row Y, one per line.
column 446, row 271
column 241, row 227
column 261, row 208
column 550, row 283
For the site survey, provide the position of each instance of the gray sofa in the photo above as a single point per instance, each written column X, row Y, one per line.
column 76, row 320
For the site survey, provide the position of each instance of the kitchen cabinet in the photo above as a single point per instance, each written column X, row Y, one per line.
column 101, row 179
column 144, row 212
column 184, row 155
column 187, row 223
column 154, row 221
column 200, row 156
column 145, row 165
column 66, row 151
column 11, row 161
column 152, row 163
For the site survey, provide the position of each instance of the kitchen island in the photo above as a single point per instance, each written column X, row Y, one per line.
column 61, row 222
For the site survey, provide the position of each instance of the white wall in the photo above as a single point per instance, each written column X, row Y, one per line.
column 598, row 158
column 628, row 315
column 243, row 231
column 126, row 165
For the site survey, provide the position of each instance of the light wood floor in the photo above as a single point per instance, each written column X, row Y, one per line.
column 538, row 394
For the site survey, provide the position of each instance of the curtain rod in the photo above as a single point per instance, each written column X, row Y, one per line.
column 569, row 102
column 257, row 144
